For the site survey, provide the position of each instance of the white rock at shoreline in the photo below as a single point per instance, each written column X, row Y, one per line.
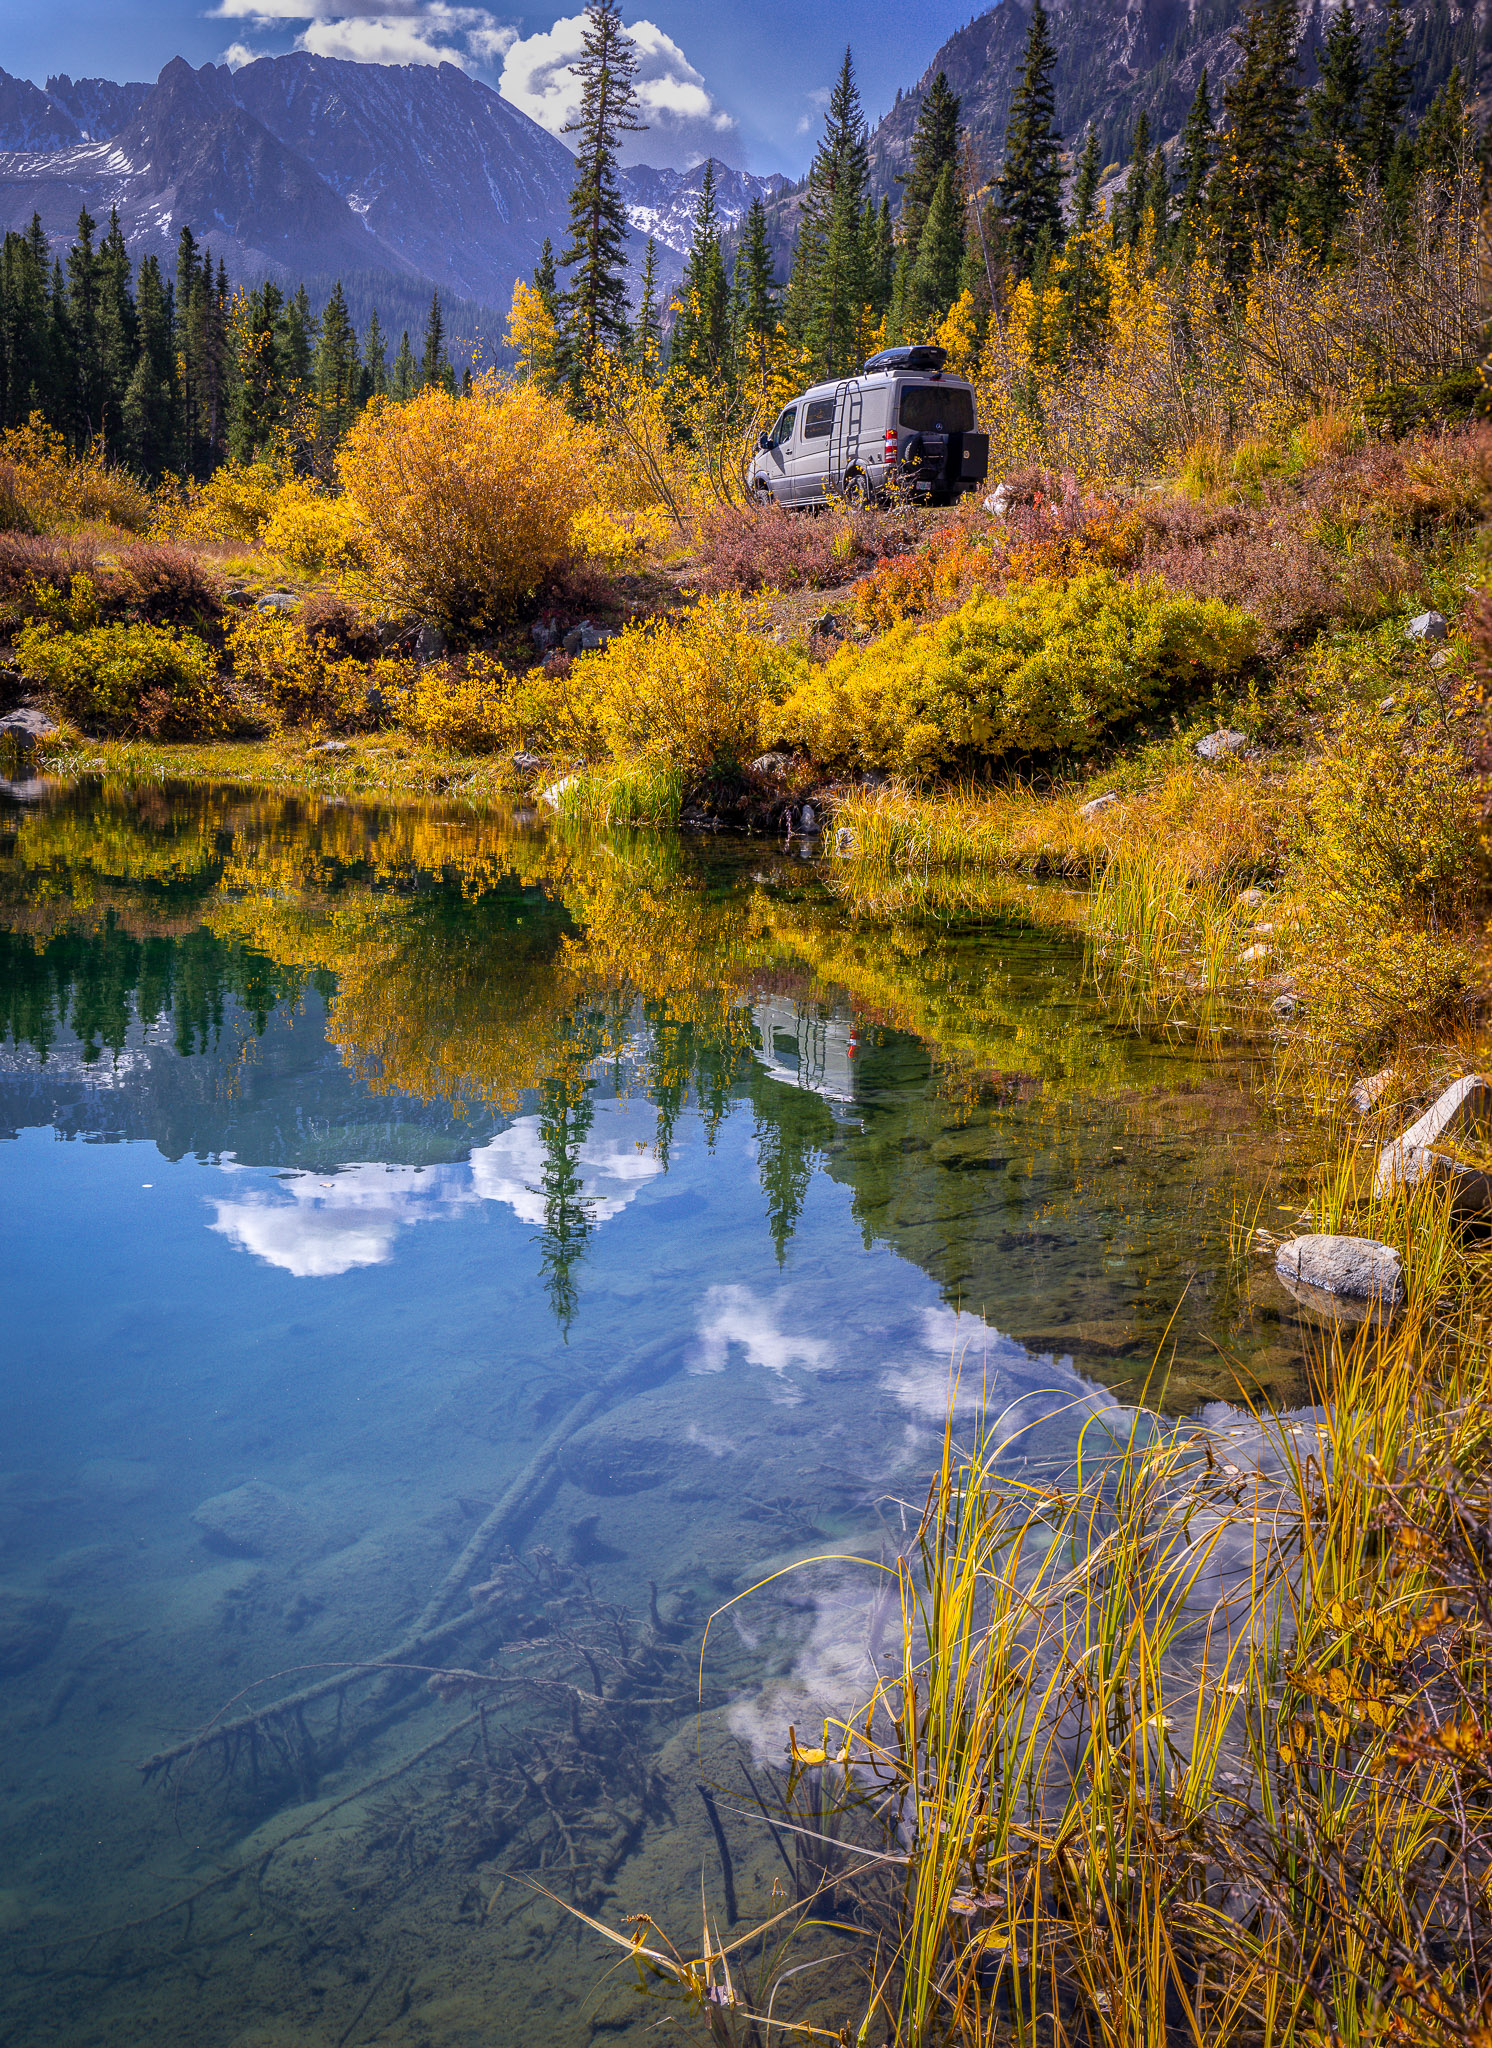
column 1411, row 1158
column 1219, row 745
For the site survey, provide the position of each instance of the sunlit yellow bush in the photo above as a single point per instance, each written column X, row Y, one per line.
column 314, row 531
column 617, row 537
column 300, row 681
column 1046, row 667
column 126, row 678
column 690, row 692
column 469, row 503
column 235, row 503
column 47, row 488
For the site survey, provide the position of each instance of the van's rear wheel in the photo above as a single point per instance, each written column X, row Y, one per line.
column 857, row 491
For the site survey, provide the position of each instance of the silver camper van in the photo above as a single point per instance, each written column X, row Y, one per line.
column 901, row 423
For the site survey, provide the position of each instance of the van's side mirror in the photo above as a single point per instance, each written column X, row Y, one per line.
column 764, row 440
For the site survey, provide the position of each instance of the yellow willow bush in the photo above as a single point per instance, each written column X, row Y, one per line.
column 235, row 503
column 468, row 503
column 314, row 531
column 691, row 692
column 479, row 707
column 47, row 488
column 301, row 681
column 1052, row 665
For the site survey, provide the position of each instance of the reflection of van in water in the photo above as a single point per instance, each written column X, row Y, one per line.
column 900, row 423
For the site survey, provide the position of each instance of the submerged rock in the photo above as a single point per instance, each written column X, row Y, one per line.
column 1412, row 1158
column 252, row 1520
column 30, row 1627
column 846, row 845
column 1352, row 1269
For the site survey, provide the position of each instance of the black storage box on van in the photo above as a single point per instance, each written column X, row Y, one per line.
column 968, row 458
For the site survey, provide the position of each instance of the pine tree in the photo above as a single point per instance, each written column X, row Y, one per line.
column 1333, row 110
column 881, row 260
column 546, row 284
column 298, row 345
column 594, row 305
column 375, row 378
column 435, row 367
column 1255, row 176
column 934, row 149
column 149, row 413
column 1158, row 200
column 759, row 312
column 1386, row 96
column 335, row 373
column 827, row 292
column 87, row 392
column 647, row 329
column 1080, row 274
column 118, row 338
column 27, row 383
column 1030, row 181
column 1196, row 168
column 702, row 324
column 1446, row 130
column 259, row 381
column 1130, row 213
column 405, row 379
column 934, row 282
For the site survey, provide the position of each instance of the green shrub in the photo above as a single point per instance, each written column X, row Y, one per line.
column 1051, row 666
column 126, row 678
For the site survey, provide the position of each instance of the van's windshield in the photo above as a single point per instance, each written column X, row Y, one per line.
column 937, row 408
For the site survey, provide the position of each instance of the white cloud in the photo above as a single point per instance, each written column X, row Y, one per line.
column 237, row 55
column 317, row 1225
column 737, row 1315
column 684, row 123
column 379, row 31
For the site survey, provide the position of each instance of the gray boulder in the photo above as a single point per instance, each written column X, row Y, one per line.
column 1251, row 899
column 30, row 1627
column 252, row 1520
column 1428, row 626
column 583, row 639
column 998, row 502
column 1221, row 745
column 1321, row 1267
column 1097, row 804
column 278, row 601
column 1285, row 1007
column 429, row 643
column 1411, row 1159
column 769, row 764
column 529, row 764
column 27, row 725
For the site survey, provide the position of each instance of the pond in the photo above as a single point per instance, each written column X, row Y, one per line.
column 452, row 1242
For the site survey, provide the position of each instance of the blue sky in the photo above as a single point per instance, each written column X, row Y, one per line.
column 743, row 79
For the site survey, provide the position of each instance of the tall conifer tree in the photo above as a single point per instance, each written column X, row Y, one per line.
column 1030, row 180
column 594, row 304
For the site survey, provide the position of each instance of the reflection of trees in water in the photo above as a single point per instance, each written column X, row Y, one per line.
column 97, row 982
column 565, row 1119
column 469, row 963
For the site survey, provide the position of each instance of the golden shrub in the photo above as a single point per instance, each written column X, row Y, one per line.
column 314, row 531
column 469, row 503
column 235, row 503
column 301, row 681
column 54, row 489
column 690, row 692
column 126, row 678
column 1052, row 665
column 468, row 709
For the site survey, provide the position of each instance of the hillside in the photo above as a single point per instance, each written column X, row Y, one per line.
column 1115, row 59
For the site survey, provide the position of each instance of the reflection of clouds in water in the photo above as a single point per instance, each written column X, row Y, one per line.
column 315, row 1225
column 511, row 1169
column 738, row 1315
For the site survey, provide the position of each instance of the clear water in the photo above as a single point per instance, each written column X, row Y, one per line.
column 350, row 1157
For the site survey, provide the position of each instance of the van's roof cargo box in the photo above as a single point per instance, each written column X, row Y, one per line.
column 923, row 357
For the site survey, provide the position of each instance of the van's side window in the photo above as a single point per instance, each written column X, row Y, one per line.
column 783, row 431
column 819, row 419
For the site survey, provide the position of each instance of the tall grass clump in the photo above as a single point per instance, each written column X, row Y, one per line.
column 1186, row 1741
